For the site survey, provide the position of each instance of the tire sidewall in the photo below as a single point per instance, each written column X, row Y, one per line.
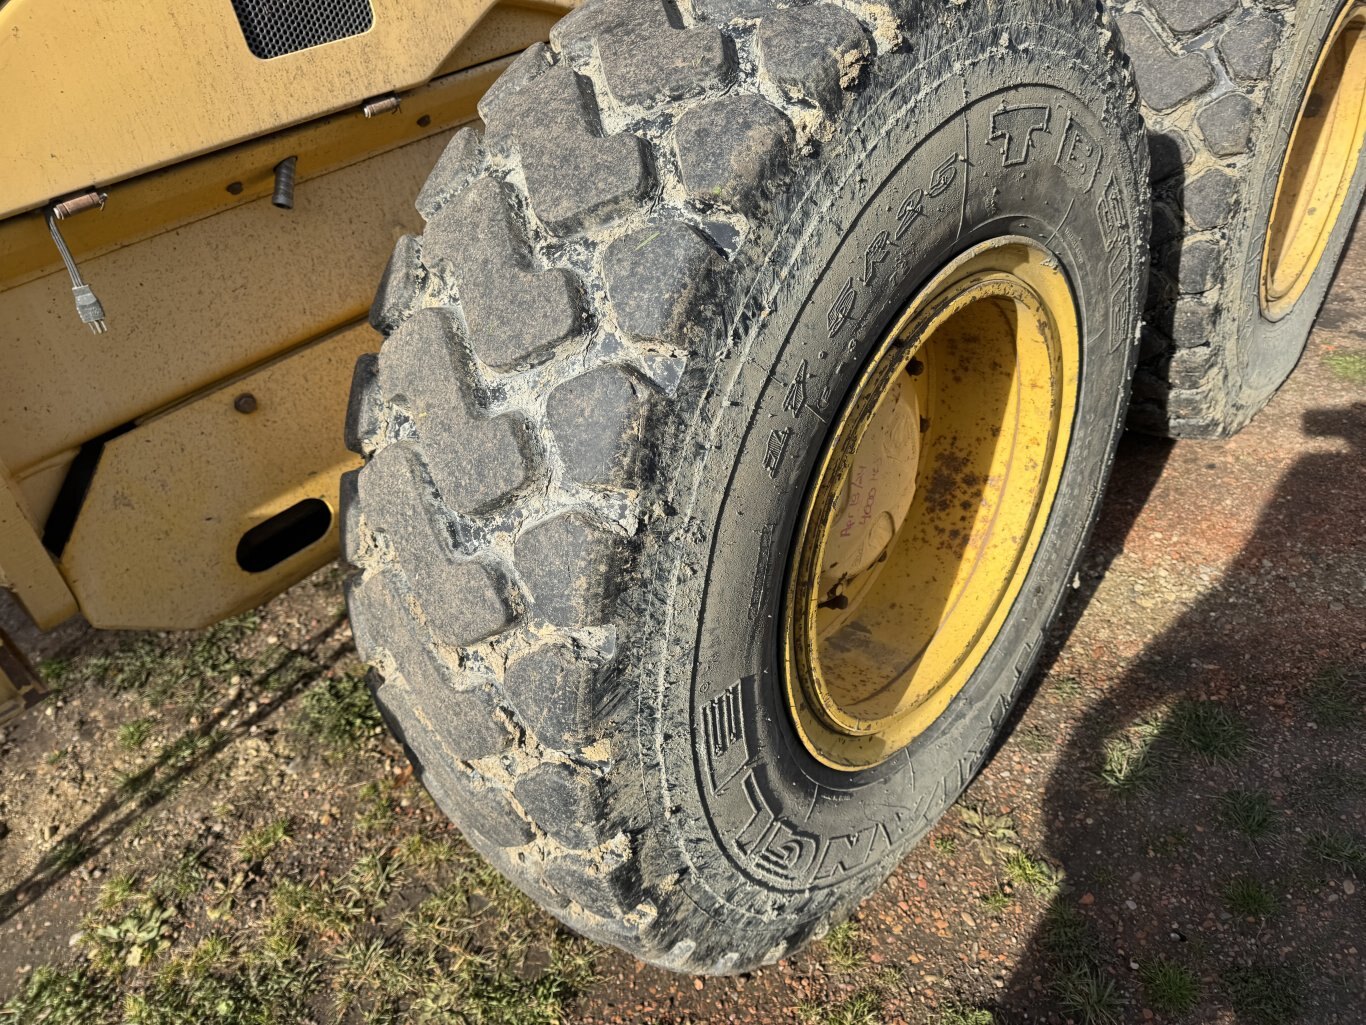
column 765, row 832
column 1265, row 351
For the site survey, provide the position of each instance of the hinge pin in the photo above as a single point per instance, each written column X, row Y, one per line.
column 380, row 105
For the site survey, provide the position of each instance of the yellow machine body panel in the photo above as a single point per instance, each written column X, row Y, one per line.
column 132, row 488
column 98, row 91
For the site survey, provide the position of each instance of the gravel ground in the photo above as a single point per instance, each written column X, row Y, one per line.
column 214, row 826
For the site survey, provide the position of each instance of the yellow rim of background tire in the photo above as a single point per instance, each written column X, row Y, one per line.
column 1320, row 163
column 992, row 349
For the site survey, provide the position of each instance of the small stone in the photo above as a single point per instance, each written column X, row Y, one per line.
column 1349, row 887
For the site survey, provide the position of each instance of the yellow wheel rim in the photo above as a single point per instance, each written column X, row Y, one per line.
column 1325, row 148
column 928, row 505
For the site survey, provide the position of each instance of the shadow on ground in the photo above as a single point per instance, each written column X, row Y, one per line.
column 287, row 674
column 1208, row 810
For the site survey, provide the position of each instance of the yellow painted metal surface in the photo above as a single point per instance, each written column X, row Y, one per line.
column 102, row 90
column 1322, row 159
column 156, row 542
column 25, row 566
column 179, row 195
column 189, row 307
column 873, row 655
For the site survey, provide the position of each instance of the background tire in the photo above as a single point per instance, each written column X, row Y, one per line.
column 1222, row 84
column 590, row 425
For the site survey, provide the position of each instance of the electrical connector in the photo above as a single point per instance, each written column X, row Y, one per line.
column 89, row 308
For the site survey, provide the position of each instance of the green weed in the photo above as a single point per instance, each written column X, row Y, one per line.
column 1088, row 993
column 1337, row 698
column 1268, row 994
column 1025, row 871
column 843, row 949
column 863, row 1008
column 1336, row 847
column 1250, row 898
column 257, row 844
column 1250, row 812
column 62, row 996
column 1207, row 728
column 1128, row 764
column 1170, row 987
column 132, row 735
column 960, row 1015
column 996, row 901
column 339, row 712
column 1349, row 366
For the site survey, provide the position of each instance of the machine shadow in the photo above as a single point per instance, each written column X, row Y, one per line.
column 289, row 674
column 1234, row 755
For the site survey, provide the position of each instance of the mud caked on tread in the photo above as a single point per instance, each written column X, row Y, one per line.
column 1222, row 82
column 640, row 292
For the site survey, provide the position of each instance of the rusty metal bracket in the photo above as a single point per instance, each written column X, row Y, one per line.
column 20, row 686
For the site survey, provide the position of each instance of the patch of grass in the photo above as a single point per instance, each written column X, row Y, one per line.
column 843, row 949
column 1067, row 935
column 220, row 983
column 1128, row 763
column 1066, row 687
column 54, row 671
column 863, row 1008
column 981, row 824
column 1250, row 812
column 57, row 755
column 1267, row 994
column 68, row 854
column 1336, row 847
column 132, row 735
column 339, row 713
column 996, row 901
column 61, row 996
column 1088, row 993
column 257, row 844
column 1025, row 871
column 376, row 811
column 1035, row 741
column 1348, row 366
column 1207, row 728
column 116, row 890
column 945, row 845
column 1170, row 987
column 961, row 1015
column 184, row 671
column 183, row 879
column 1337, row 698
column 422, row 853
column 136, row 937
column 300, row 908
column 1250, row 898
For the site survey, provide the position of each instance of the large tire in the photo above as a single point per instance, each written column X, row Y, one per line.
column 1222, row 84
column 605, row 384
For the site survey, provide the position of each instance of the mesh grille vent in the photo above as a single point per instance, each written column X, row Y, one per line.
column 276, row 27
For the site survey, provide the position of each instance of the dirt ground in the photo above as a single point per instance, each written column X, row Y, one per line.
column 214, row 826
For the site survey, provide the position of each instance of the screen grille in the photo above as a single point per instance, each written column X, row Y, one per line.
column 276, row 27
